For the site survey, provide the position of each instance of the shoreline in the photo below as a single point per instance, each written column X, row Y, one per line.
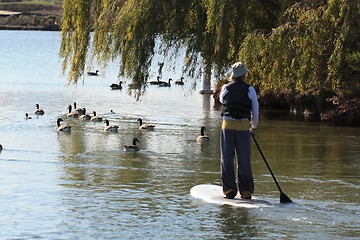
column 28, row 28
column 37, row 17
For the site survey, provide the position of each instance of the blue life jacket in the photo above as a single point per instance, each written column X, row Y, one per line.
column 236, row 102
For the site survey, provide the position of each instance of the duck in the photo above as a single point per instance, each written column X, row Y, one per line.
column 96, row 118
column 93, row 73
column 27, row 116
column 133, row 147
column 39, row 111
column 72, row 114
column 166, row 84
column 116, row 86
column 158, row 82
column 110, row 128
column 181, row 82
column 202, row 136
column 85, row 117
column 145, row 126
column 62, row 128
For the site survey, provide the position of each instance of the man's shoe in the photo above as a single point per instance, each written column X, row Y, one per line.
column 230, row 195
column 246, row 195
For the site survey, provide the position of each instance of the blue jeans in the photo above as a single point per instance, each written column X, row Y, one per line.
column 233, row 140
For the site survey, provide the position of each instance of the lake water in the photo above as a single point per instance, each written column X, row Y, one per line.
column 83, row 185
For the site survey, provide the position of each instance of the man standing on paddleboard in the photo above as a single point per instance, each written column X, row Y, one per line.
column 240, row 111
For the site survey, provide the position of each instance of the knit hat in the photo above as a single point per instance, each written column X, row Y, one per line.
column 238, row 70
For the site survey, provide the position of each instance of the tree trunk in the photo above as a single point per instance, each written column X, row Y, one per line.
column 206, row 79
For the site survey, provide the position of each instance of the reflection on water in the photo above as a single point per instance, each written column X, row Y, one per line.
column 83, row 185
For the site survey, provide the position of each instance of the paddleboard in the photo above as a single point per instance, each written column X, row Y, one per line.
column 213, row 194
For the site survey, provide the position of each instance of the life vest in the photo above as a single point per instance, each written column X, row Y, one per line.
column 236, row 102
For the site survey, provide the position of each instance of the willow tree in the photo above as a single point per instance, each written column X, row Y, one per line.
column 313, row 55
column 211, row 32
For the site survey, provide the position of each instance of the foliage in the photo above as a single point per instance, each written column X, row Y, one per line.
column 299, row 52
column 211, row 31
column 313, row 52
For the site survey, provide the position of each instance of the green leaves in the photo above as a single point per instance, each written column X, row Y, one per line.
column 305, row 56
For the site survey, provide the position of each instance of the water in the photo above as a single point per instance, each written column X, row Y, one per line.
column 84, row 186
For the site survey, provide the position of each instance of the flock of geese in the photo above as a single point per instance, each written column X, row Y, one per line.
column 158, row 82
column 118, row 86
column 81, row 114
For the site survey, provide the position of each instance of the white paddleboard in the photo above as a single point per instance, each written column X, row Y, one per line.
column 213, row 194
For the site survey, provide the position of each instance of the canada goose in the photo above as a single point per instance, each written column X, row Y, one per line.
column 145, row 126
column 85, row 117
column 39, row 111
column 166, row 84
column 1, row 147
column 80, row 111
column 181, row 82
column 202, row 137
column 110, row 128
column 157, row 82
column 133, row 147
column 62, row 128
column 96, row 118
column 93, row 73
column 72, row 114
column 116, row 86
column 27, row 116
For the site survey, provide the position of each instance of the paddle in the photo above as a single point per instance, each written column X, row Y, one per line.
column 283, row 197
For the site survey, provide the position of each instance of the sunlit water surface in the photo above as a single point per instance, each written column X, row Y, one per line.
column 83, row 185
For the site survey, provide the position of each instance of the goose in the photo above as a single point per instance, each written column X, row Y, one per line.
column 166, row 84
column 133, row 147
column 158, row 82
column 96, row 118
column 93, row 73
column 1, row 147
column 62, row 128
column 27, row 116
column 39, row 111
column 181, row 82
column 202, row 137
column 110, row 128
column 116, row 86
column 80, row 111
column 145, row 126
column 72, row 114
column 85, row 117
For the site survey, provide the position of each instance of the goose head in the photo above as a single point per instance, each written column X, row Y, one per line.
column 59, row 120
column 202, row 137
column 39, row 111
column 202, row 131
column 140, row 121
column 27, row 116
column 133, row 147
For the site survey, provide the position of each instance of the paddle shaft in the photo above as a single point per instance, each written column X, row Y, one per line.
column 283, row 197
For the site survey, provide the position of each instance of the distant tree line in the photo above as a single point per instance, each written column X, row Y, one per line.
column 303, row 55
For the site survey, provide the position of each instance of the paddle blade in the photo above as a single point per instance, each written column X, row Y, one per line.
column 284, row 198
